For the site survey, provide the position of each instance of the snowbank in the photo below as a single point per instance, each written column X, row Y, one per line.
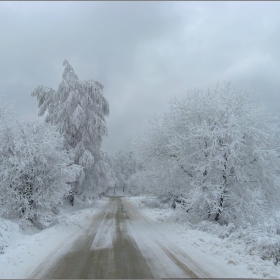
column 9, row 234
column 24, row 250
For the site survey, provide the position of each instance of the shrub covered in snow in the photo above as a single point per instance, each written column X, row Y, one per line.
column 262, row 239
column 35, row 170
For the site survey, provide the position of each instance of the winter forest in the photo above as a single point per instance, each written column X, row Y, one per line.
column 213, row 157
column 44, row 164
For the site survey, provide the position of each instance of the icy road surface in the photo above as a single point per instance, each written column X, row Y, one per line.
column 121, row 242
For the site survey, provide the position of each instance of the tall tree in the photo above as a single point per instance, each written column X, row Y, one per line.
column 78, row 109
column 225, row 148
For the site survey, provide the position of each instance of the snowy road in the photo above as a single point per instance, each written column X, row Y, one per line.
column 106, row 251
column 121, row 242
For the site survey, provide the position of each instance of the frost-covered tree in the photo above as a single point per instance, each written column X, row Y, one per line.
column 119, row 168
column 124, row 166
column 78, row 109
column 36, row 171
column 225, row 148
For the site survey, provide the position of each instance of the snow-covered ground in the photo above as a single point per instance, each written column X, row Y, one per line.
column 237, row 252
column 24, row 250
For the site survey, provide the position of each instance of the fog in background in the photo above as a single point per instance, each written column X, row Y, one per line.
column 144, row 53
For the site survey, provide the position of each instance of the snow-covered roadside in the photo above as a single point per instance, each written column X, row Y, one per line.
column 236, row 252
column 28, row 249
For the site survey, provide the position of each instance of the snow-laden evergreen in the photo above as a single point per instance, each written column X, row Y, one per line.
column 78, row 109
column 217, row 152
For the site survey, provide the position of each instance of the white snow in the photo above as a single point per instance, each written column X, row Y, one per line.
column 104, row 236
column 28, row 249
column 234, row 255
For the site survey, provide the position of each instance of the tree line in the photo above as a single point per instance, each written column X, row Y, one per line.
column 214, row 154
column 44, row 163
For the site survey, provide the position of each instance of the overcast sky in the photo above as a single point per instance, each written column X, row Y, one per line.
column 144, row 53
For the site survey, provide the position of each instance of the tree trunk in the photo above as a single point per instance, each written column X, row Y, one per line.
column 220, row 206
column 71, row 197
column 223, row 188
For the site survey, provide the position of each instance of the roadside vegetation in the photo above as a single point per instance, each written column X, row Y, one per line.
column 59, row 160
column 213, row 158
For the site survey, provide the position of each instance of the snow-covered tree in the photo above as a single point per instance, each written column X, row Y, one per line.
column 119, row 168
column 125, row 165
column 78, row 109
column 36, row 171
column 225, row 148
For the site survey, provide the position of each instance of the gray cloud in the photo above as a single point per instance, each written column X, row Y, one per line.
column 143, row 52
